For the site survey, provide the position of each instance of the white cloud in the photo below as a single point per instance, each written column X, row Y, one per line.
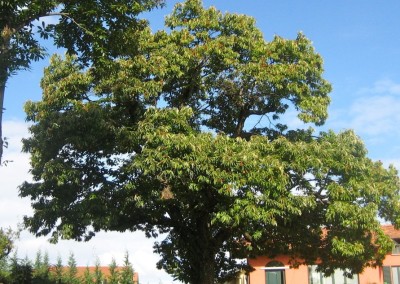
column 14, row 131
column 104, row 245
column 376, row 115
column 384, row 86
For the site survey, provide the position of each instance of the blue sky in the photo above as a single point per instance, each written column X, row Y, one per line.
column 359, row 41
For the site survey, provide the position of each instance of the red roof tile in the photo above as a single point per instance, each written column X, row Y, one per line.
column 391, row 231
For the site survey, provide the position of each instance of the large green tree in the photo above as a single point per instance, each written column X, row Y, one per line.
column 96, row 30
column 188, row 137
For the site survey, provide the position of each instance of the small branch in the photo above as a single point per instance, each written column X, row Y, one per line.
column 50, row 14
column 30, row 20
column 57, row 14
column 66, row 15
column 259, row 121
column 270, row 122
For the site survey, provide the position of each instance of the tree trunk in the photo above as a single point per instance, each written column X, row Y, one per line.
column 203, row 258
column 3, row 80
column 205, row 270
column 4, row 65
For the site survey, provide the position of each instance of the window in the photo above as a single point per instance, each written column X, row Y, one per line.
column 391, row 274
column 275, row 273
column 337, row 277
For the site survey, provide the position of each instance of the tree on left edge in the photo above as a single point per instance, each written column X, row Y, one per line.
column 7, row 238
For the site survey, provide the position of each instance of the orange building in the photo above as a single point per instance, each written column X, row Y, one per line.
column 278, row 271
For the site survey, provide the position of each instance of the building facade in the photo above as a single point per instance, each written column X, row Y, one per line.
column 278, row 270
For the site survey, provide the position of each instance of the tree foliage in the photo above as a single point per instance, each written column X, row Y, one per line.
column 127, row 271
column 7, row 239
column 187, row 136
column 41, row 269
column 58, row 274
column 87, row 277
column 98, row 274
column 16, row 270
column 21, row 271
column 114, row 273
column 89, row 28
column 70, row 276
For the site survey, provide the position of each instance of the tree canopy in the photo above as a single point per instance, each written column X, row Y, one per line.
column 88, row 28
column 187, row 136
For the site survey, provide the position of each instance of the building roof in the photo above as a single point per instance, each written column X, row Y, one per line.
column 391, row 231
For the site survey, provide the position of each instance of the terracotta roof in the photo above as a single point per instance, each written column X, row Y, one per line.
column 391, row 231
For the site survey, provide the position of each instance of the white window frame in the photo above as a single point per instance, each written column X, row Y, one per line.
column 331, row 278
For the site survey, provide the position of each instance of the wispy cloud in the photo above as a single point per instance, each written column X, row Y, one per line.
column 384, row 86
column 14, row 130
column 376, row 115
